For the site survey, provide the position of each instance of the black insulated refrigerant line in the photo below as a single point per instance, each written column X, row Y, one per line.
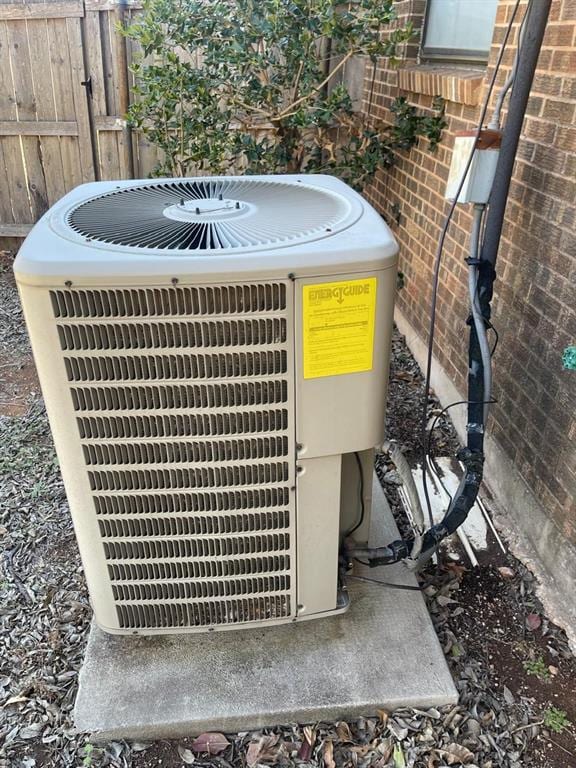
column 534, row 29
column 472, row 456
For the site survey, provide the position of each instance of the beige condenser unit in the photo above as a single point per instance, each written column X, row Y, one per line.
column 213, row 353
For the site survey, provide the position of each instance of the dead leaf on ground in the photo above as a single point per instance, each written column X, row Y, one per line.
column 383, row 715
column 211, row 743
column 456, row 753
column 456, row 569
column 343, row 732
column 385, row 749
column 310, row 735
column 506, row 572
column 533, row 621
column 329, row 754
column 508, row 696
column 186, row 755
column 15, row 700
column 305, row 751
column 263, row 750
column 361, row 751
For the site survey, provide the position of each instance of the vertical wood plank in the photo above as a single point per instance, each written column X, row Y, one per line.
column 16, row 202
column 111, row 152
column 44, row 99
column 6, row 215
column 119, row 55
column 110, row 75
column 93, row 44
column 145, row 154
column 64, row 101
column 124, row 161
column 108, row 154
column 78, row 74
column 18, row 209
column 132, row 53
column 26, row 110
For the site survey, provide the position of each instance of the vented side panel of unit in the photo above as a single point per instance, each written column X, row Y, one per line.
column 185, row 413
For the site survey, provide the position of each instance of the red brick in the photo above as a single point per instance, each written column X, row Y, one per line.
column 549, row 85
column 566, row 139
column 558, row 35
column 568, row 10
column 564, row 61
column 558, row 111
column 534, row 295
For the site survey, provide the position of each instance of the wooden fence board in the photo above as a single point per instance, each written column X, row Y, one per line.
column 111, row 5
column 45, row 108
column 93, row 47
column 52, row 137
column 146, row 155
column 15, row 230
column 35, row 128
column 10, row 150
column 52, row 10
column 6, row 214
column 64, row 102
column 78, row 74
column 110, row 84
column 24, row 89
column 109, row 160
column 106, row 123
column 119, row 50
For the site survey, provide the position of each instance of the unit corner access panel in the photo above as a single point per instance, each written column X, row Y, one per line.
column 211, row 351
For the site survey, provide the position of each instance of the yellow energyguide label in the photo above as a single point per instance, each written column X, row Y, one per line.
column 338, row 323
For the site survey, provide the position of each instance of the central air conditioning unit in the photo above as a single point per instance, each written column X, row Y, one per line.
column 213, row 353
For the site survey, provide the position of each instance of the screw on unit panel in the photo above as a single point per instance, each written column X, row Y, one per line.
column 68, row 283
column 174, row 281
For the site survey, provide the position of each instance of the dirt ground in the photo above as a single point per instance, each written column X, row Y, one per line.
column 513, row 668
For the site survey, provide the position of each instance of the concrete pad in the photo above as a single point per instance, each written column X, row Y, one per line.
column 381, row 654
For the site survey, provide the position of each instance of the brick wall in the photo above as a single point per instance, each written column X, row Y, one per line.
column 535, row 300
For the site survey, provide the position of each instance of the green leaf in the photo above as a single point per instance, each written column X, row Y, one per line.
column 398, row 755
column 223, row 84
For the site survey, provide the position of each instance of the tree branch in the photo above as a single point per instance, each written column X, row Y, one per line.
column 290, row 109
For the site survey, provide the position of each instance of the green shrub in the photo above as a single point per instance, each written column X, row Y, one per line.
column 252, row 85
column 537, row 667
column 556, row 719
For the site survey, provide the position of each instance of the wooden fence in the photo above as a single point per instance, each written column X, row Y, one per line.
column 65, row 87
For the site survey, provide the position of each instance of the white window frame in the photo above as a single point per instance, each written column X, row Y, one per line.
column 449, row 54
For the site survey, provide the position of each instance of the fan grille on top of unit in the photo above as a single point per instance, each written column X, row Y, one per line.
column 210, row 214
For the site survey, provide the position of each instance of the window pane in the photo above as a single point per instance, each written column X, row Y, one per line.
column 459, row 27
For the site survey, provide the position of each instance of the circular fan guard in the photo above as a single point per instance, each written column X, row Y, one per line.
column 210, row 214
